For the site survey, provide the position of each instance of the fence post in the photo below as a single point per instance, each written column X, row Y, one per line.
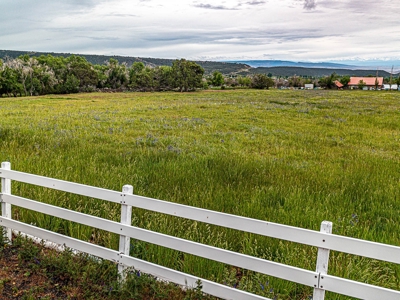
column 126, row 218
column 322, row 263
column 6, row 207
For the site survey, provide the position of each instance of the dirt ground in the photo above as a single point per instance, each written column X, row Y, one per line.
column 18, row 280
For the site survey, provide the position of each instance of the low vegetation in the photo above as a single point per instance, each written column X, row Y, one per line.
column 30, row 271
column 291, row 157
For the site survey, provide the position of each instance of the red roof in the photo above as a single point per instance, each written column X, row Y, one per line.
column 368, row 80
column 338, row 84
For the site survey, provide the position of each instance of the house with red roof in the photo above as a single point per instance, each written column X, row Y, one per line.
column 370, row 83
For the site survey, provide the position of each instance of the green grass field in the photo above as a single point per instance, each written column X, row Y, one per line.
column 291, row 157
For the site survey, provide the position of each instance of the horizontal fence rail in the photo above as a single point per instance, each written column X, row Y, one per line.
column 283, row 232
column 232, row 258
column 324, row 240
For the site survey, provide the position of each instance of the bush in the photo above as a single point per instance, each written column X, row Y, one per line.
column 261, row 81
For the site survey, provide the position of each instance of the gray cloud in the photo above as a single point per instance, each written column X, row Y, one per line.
column 120, row 15
column 309, row 4
column 254, row 2
column 359, row 6
column 202, row 28
column 209, row 6
column 98, row 38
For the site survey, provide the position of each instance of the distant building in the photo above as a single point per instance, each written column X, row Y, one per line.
column 370, row 82
column 338, row 85
column 388, row 87
column 308, row 86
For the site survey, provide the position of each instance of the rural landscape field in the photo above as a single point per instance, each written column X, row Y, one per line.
column 293, row 157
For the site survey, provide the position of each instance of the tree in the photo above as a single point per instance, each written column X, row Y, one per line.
column 163, row 78
column 82, row 70
column 230, row 81
column 244, row 81
column 187, row 75
column 9, row 79
column 116, row 74
column 58, row 66
column 295, row 81
column 141, row 77
column 71, row 85
column 345, row 80
column 328, row 82
column 261, row 81
column 376, row 83
column 361, row 84
column 217, row 79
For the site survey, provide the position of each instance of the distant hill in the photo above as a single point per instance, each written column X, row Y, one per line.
column 313, row 72
column 209, row 66
column 285, row 63
column 244, row 68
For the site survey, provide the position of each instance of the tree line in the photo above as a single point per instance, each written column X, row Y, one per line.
column 47, row 74
column 29, row 76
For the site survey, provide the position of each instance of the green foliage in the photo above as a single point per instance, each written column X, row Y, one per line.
column 187, row 75
column 217, row 79
column 47, row 74
column 9, row 84
column 116, row 74
column 141, row 77
column 345, row 80
column 82, row 70
column 71, row 85
column 163, row 78
column 328, row 82
column 295, row 81
column 361, row 84
column 244, row 81
column 261, row 81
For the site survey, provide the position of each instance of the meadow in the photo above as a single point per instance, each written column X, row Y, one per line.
column 291, row 157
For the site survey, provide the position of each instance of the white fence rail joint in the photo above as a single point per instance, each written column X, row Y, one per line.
column 324, row 240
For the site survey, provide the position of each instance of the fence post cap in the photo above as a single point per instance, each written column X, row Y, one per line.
column 5, row 165
column 127, row 189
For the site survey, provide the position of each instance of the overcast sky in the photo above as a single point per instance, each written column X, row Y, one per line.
column 298, row 30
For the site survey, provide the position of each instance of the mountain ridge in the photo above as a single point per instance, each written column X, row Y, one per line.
column 286, row 63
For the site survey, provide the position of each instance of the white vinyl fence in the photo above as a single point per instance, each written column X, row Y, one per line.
column 319, row 279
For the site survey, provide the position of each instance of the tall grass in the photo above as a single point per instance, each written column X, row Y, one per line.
column 291, row 157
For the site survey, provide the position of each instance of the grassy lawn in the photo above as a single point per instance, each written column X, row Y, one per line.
column 291, row 157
